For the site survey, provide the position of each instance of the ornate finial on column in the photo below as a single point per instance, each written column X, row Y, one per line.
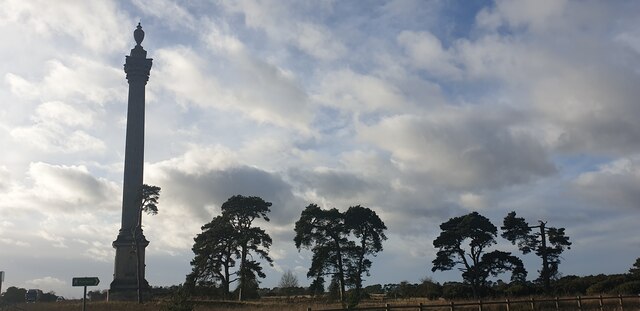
column 138, row 34
column 138, row 51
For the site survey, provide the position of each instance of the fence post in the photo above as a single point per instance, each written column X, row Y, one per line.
column 621, row 304
column 421, row 306
column 479, row 305
column 579, row 303
column 508, row 305
column 601, row 302
column 533, row 304
column 387, row 307
column 452, row 306
column 557, row 303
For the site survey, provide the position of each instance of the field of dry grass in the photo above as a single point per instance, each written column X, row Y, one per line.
column 91, row 306
column 200, row 306
column 283, row 305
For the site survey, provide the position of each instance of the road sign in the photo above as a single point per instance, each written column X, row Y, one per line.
column 91, row 281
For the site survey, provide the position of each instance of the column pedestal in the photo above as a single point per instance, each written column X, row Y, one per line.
column 125, row 281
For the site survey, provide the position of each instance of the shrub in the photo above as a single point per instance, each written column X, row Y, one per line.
column 455, row 290
column 519, row 290
column 179, row 301
column 628, row 288
column 429, row 289
column 606, row 285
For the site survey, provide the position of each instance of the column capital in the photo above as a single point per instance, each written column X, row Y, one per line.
column 137, row 66
column 137, row 69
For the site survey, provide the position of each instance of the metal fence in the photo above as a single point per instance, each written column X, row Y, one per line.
column 620, row 302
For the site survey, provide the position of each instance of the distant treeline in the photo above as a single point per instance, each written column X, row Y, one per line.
column 571, row 285
column 616, row 284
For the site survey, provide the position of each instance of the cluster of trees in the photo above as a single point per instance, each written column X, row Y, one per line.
column 464, row 242
column 14, row 295
column 592, row 285
column 230, row 248
column 572, row 285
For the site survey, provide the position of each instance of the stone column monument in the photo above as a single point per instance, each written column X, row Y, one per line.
column 124, row 286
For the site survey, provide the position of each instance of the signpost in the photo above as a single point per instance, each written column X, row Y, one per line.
column 93, row 281
column 85, row 281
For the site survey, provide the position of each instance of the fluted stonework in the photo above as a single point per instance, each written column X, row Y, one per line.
column 124, row 286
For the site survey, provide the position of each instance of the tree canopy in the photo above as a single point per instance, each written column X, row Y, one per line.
column 340, row 243
column 477, row 264
column 230, row 248
column 288, row 283
column 241, row 211
column 14, row 295
column 548, row 243
column 215, row 252
column 288, row 280
column 149, row 196
column 323, row 231
column 635, row 268
column 368, row 229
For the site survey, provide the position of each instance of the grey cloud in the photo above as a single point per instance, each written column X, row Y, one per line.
column 334, row 184
column 214, row 187
column 5, row 179
column 404, row 201
column 561, row 60
column 351, row 91
column 593, row 112
column 168, row 11
column 302, row 33
column 260, row 90
column 464, row 148
column 52, row 137
column 426, row 51
column 94, row 25
column 70, row 187
column 613, row 186
column 68, row 118
column 535, row 15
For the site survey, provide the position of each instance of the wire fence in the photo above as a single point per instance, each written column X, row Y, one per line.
column 620, row 302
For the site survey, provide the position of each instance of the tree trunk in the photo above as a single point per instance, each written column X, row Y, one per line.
column 360, row 267
column 359, row 275
column 225, row 282
column 243, row 273
column 545, row 262
column 341, row 276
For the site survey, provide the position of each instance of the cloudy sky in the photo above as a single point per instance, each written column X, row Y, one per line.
column 421, row 110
